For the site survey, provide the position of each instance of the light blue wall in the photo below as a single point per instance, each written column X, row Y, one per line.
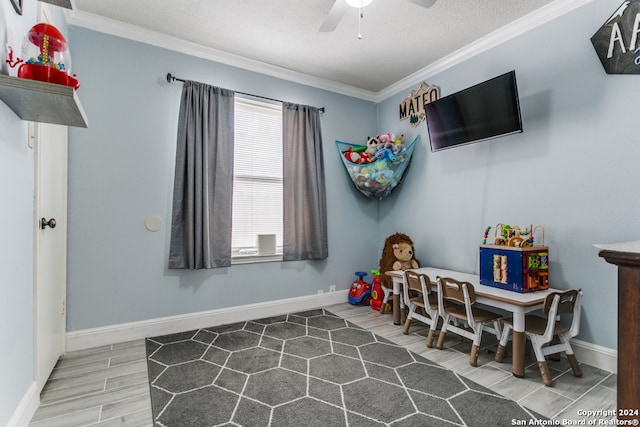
column 16, row 243
column 17, row 219
column 570, row 171
column 121, row 171
column 573, row 170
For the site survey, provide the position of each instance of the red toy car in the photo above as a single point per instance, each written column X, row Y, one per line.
column 360, row 291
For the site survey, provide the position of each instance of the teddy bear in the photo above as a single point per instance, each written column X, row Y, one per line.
column 397, row 254
column 405, row 260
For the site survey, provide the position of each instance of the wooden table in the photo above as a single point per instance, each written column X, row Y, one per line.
column 628, row 388
column 519, row 304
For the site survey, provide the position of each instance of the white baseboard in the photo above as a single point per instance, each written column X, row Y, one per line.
column 27, row 407
column 591, row 354
column 596, row 355
column 96, row 337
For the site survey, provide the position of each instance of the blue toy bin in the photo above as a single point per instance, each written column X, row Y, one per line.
column 377, row 179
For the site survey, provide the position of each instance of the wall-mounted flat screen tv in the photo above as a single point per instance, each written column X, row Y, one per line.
column 486, row 110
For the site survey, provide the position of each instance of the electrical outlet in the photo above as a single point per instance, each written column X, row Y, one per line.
column 332, row 288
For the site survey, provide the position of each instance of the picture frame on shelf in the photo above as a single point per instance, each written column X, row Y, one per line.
column 17, row 5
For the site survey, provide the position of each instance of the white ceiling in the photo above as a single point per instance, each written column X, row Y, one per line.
column 399, row 38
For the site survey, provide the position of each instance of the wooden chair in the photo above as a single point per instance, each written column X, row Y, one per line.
column 462, row 297
column 417, row 295
column 542, row 330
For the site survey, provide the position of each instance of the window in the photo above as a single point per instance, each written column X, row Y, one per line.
column 257, row 181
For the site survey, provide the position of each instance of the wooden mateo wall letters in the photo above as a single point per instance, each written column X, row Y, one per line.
column 412, row 107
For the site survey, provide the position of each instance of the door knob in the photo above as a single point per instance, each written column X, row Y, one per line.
column 51, row 223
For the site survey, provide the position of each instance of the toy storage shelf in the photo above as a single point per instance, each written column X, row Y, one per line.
column 42, row 102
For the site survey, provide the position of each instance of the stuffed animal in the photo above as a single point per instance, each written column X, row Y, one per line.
column 385, row 153
column 383, row 176
column 398, row 254
column 386, row 137
column 405, row 259
column 352, row 156
column 372, row 146
column 398, row 148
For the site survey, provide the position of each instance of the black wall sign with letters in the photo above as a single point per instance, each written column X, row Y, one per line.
column 617, row 42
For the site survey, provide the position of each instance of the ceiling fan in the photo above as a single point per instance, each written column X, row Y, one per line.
column 340, row 7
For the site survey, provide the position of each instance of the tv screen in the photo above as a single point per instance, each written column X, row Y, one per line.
column 486, row 110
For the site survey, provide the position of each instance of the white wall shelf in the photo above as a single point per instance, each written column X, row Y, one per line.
column 42, row 102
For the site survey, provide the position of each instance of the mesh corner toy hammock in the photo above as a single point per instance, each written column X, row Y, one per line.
column 377, row 179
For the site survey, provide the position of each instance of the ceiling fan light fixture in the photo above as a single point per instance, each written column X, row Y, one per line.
column 358, row 4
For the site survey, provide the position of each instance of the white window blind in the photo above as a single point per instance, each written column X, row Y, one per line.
column 257, row 183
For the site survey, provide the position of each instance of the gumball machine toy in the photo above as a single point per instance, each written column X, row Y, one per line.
column 49, row 59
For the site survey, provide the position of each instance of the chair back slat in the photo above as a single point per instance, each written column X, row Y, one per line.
column 452, row 289
column 566, row 303
column 413, row 280
column 427, row 281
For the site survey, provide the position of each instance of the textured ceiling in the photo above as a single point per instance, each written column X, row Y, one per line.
column 399, row 38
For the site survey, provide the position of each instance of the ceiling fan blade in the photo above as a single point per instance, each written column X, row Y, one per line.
column 423, row 3
column 334, row 16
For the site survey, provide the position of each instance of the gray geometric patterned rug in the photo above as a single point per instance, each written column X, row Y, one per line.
column 311, row 368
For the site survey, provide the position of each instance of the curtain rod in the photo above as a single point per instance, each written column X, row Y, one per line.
column 171, row 78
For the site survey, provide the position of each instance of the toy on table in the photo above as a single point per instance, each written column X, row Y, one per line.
column 514, row 261
column 512, row 236
column 48, row 57
column 360, row 291
column 486, row 235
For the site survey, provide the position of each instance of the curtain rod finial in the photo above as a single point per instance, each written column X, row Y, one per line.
column 170, row 78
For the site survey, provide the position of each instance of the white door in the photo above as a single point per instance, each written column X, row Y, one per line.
column 50, row 144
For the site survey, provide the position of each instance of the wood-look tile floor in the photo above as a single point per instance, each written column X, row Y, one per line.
column 107, row 386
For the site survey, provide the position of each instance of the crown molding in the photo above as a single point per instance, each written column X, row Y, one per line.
column 154, row 38
column 533, row 20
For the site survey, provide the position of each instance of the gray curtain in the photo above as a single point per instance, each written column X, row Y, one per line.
column 203, row 184
column 305, row 201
